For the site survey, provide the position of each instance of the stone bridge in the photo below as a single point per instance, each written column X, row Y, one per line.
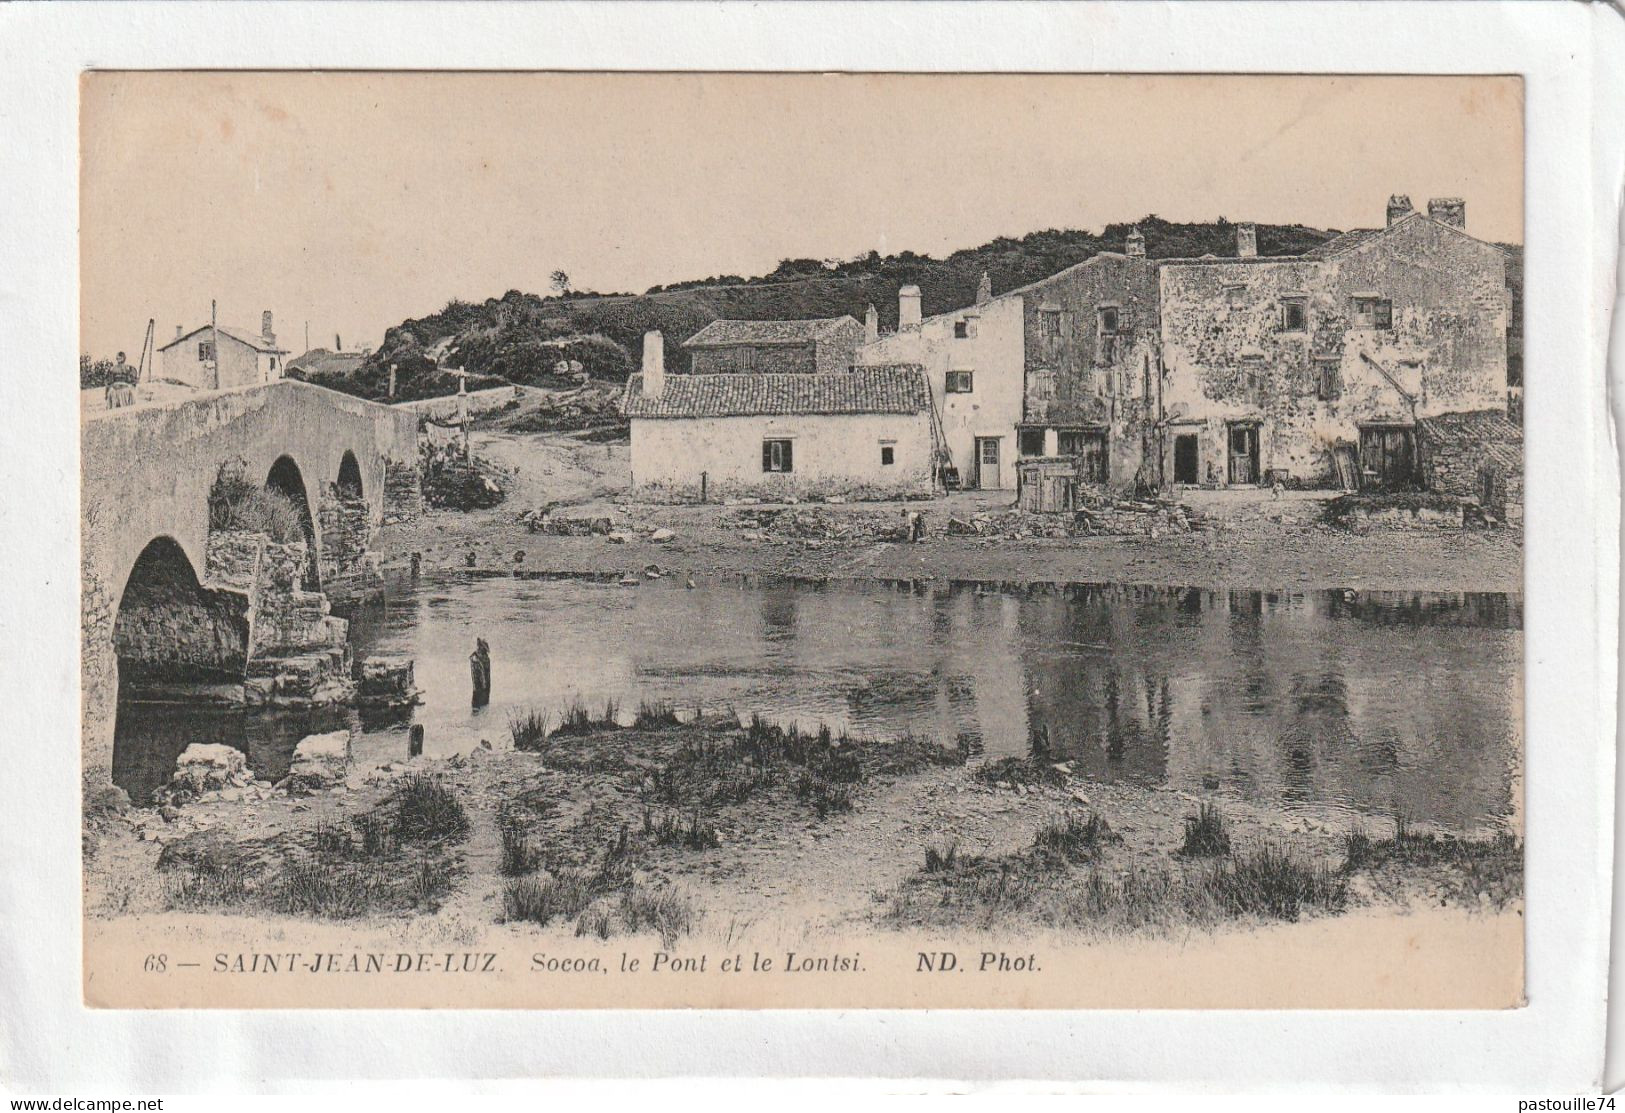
column 160, row 594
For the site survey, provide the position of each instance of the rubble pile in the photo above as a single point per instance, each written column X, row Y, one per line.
column 1099, row 515
column 452, row 482
column 817, row 524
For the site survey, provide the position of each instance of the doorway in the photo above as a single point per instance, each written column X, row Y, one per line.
column 987, row 463
column 1388, row 457
column 1243, row 454
column 1186, row 466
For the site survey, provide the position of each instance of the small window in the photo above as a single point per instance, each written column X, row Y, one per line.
column 1328, row 380
column 776, row 456
column 1252, row 370
column 273, row 363
column 1032, row 442
column 965, row 328
column 1373, row 312
column 1049, row 324
column 888, row 455
column 1108, row 320
column 205, row 351
column 1294, row 315
column 959, row 382
column 1234, row 296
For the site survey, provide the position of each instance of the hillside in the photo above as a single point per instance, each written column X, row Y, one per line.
column 519, row 337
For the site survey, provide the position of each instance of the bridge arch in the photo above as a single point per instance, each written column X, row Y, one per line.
column 349, row 480
column 169, row 630
column 286, row 479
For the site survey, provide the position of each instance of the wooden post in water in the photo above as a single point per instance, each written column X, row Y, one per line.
column 414, row 741
column 479, row 668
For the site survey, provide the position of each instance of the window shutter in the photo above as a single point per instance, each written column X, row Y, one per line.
column 767, row 455
column 789, row 462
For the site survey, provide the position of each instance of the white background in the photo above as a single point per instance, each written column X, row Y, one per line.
column 1573, row 57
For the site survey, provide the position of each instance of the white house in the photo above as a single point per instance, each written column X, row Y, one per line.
column 863, row 433
column 973, row 362
column 244, row 359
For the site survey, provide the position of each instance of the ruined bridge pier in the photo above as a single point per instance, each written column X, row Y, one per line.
column 155, row 590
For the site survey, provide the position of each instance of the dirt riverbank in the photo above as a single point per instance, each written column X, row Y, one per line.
column 1252, row 541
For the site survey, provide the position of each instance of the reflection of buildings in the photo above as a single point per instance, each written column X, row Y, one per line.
column 1292, row 697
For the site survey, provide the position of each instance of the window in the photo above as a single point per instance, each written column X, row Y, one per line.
column 965, row 328
column 1234, row 296
column 1373, row 312
column 776, row 456
column 1294, row 315
column 1049, row 324
column 1252, row 371
column 205, row 351
column 888, row 455
column 273, row 363
column 1328, row 380
column 1108, row 315
column 1032, row 442
column 959, row 382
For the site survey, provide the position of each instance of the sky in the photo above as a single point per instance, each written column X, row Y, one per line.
column 347, row 202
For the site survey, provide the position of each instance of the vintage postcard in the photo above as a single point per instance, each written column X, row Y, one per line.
column 789, row 540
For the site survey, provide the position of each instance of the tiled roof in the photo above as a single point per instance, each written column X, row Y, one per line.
column 1486, row 432
column 894, row 389
column 253, row 340
column 767, row 332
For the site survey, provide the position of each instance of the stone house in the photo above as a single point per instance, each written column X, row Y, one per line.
column 774, row 347
column 1477, row 455
column 244, row 358
column 865, row 432
column 1317, row 368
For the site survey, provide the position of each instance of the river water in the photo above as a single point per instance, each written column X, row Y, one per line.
column 1385, row 703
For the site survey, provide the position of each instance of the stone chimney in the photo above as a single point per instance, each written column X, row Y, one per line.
column 871, row 324
column 1134, row 248
column 1448, row 210
column 1399, row 207
column 908, row 308
column 654, row 364
column 1246, row 241
column 265, row 326
column 984, row 289
column 338, row 342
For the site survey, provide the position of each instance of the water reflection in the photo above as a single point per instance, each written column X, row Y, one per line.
column 1385, row 702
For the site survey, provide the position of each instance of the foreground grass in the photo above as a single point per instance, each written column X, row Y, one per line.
column 1066, row 879
column 1062, row 880
column 398, row 856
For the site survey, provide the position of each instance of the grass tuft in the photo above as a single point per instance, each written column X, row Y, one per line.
column 1207, row 833
column 529, row 730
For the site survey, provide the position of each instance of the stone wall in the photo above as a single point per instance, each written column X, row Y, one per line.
column 403, row 491
column 1476, row 455
column 347, row 534
column 766, row 359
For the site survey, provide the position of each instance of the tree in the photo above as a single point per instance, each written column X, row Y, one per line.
column 561, row 283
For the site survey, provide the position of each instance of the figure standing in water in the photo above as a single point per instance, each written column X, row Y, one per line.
column 479, row 667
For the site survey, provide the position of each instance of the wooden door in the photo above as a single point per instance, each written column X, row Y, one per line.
column 1243, row 454
column 987, row 463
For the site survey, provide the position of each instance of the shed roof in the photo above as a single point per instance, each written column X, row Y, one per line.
column 891, row 389
column 1486, row 432
column 721, row 333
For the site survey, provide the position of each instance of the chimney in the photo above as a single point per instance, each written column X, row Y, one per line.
column 265, row 326
column 871, row 324
column 1135, row 247
column 908, row 308
column 984, row 289
column 179, row 331
column 654, row 364
column 1399, row 207
column 1246, row 241
column 1448, row 210
column 338, row 343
